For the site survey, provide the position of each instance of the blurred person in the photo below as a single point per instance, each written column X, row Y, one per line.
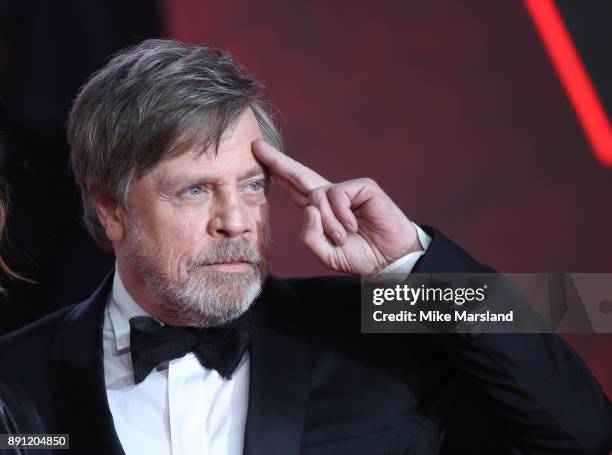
column 191, row 346
column 4, row 268
column 69, row 40
column 17, row 412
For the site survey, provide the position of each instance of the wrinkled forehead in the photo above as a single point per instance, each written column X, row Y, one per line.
column 229, row 159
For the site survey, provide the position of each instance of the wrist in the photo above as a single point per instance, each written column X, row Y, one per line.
column 412, row 244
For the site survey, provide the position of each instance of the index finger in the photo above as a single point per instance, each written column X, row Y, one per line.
column 302, row 177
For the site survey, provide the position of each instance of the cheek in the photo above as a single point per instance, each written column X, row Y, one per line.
column 180, row 241
column 258, row 199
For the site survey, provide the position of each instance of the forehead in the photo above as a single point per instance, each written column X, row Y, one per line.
column 234, row 154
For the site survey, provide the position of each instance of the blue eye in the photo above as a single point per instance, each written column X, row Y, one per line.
column 256, row 186
column 194, row 191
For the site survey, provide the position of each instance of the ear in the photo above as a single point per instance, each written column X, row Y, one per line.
column 111, row 216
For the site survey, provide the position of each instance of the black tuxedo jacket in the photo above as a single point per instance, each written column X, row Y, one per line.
column 319, row 386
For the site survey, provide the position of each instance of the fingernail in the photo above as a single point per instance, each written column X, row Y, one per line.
column 337, row 237
column 310, row 217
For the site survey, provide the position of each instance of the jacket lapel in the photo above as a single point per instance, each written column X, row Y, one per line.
column 80, row 393
column 280, row 359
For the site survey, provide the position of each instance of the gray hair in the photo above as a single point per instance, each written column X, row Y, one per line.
column 152, row 101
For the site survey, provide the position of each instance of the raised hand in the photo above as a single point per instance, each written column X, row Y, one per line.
column 352, row 226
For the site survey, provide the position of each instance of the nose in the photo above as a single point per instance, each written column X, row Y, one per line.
column 230, row 217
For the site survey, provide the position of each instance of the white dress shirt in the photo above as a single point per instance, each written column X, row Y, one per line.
column 181, row 407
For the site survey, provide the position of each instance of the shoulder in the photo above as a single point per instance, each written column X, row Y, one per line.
column 38, row 338
column 35, row 338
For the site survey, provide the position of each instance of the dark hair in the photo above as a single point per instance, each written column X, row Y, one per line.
column 149, row 102
column 3, row 212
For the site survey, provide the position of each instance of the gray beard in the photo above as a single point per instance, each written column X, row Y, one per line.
column 205, row 297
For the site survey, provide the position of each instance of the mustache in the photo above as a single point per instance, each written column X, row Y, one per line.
column 227, row 250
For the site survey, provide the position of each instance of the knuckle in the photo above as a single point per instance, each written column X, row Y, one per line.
column 312, row 198
column 332, row 227
column 317, row 196
column 293, row 174
column 367, row 181
column 334, row 192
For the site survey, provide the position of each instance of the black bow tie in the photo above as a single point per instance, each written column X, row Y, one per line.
column 218, row 348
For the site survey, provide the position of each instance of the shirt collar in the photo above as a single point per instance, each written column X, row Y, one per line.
column 121, row 308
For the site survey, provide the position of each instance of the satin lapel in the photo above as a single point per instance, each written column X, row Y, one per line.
column 280, row 359
column 80, row 393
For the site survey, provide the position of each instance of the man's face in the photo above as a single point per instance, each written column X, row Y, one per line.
column 196, row 240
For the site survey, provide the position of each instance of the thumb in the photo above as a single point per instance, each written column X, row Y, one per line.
column 313, row 235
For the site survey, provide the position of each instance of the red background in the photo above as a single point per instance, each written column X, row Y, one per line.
column 453, row 107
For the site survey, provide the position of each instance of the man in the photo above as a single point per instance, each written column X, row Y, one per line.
column 189, row 346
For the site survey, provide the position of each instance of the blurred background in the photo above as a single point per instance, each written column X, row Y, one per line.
column 455, row 108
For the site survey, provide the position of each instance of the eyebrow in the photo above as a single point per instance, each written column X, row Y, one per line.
column 254, row 172
column 183, row 179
